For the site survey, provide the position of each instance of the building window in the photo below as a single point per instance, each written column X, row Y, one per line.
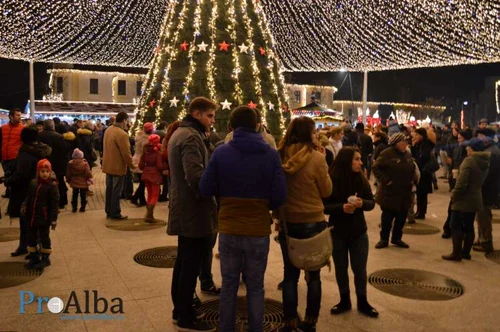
column 297, row 96
column 138, row 89
column 122, row 88
column 59, row 85
column 94, row 86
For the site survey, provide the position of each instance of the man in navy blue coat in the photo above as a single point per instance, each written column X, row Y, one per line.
column 247, row 176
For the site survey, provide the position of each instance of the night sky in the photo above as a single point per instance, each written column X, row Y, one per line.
column 448, row 84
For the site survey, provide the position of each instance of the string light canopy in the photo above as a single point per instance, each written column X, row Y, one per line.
column 310, row 35
column 373, row 35
column 97, row 32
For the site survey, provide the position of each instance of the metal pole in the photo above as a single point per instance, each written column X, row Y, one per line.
column 32, row 92
column 365, row 95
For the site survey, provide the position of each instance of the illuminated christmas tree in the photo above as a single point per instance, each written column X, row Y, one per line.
column 220, row 49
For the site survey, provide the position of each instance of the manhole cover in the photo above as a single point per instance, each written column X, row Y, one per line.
column 163, row 257
column 14, row 273
column 273, row 314
column 9, row 234
column 420, row 229
column 416, row 284
column 137, row 224
column 494, row 256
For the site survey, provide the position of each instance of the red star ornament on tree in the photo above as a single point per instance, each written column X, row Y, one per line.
column 184, row 46
column 152, row 103
column 224, row 46
column 262, row 51
column 252, row 105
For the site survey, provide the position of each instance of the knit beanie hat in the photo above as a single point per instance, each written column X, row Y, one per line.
column 396, row 138
column 148, row 127
column 154, row 140
column 477, row 144
column 466, row 134
column 77, row 154
column 44, row 163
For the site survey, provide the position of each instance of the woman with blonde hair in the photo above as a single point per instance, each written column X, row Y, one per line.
column 307, row 182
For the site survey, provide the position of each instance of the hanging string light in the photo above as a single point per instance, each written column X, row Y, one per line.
column 97, row 32
column 311, row 35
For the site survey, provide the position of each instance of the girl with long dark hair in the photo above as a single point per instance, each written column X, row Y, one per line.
column 351, row 196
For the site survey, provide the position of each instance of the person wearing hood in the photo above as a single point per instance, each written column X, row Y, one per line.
column 24, row 171
column 307, row 183
column 85, row 142
column 247, row 176
column 490, row 191
column 152, row 167
column 78, row 175
column 394, row 170
column 467, row 199
column 40, row 208
column 141, row 139
column 421, row 150
column 459, row 154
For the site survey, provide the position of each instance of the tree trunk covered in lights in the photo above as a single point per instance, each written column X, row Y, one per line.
column 246, row 72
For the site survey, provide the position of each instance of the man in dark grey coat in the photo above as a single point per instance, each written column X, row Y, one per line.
column 490, row 190
column 191, row 217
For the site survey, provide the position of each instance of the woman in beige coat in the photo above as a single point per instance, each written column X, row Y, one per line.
column 307, row 182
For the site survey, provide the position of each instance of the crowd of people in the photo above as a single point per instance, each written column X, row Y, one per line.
column 236, row 188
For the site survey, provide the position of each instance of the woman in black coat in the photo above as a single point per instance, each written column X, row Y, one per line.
column 25, row 170
column 351, row 196
column 421, row 151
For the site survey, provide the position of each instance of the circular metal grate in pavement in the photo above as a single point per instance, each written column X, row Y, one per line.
column 9, row 234
column 14, row 273
column 494, row 256
column 162, row 257
column 416, row 284
column 136, row 224
column 420, row 229
column 273, row 314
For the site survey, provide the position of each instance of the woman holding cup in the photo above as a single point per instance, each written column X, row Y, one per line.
column 351, row 196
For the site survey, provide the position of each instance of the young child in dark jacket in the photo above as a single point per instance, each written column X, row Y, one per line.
column 41, row 207
column 78, row 175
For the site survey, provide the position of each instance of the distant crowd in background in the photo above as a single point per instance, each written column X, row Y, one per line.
column 226, row 188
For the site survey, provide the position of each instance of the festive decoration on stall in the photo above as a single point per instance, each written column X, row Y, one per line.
column 215, row 69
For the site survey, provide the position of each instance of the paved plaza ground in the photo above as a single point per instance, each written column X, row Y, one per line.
column 89, row 256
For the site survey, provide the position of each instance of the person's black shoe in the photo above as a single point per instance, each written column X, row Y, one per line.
column 411, row 222
column 74, row 209
column 31, row 255
column 82, row 209
column 343, row 306
column 446, row 235
column 195, row 325
column 120, row 217
column 163, row 199
column 280, row 286
column 400, row 243
column 419, row 216
column 382, row 244
column 198, row 315
column 19, row 252
column 211, row 291
column 365, row 308
column 436, row 186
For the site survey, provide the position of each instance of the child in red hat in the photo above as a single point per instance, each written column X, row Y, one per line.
column 41, row 207
column 152, row 167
